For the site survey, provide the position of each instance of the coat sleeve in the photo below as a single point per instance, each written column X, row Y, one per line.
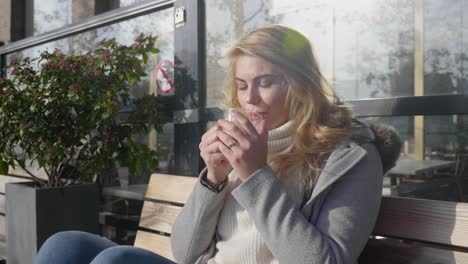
column 342, row 228
column 193, row 233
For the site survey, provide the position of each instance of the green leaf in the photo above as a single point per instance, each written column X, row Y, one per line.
column 105, row 115
column 3, row 167
column 40, row 161
column 132, row 166
column 154, row 163
column 132, row 78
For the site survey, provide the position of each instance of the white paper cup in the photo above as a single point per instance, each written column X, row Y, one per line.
column 229, row 116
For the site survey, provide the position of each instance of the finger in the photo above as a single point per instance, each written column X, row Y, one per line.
column 231, row 130
column 227, row 152
column 210, row 131
column 211, row 148
column 215, row 161
column 262, row 127
column 216, row 158
column 228, row 140
column 210, row 136
column 244, row 122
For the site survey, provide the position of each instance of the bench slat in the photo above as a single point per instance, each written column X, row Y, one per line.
column 387, row 251
column 158, row 216
column 159, row 244
column 170, row 188
column 424, row 220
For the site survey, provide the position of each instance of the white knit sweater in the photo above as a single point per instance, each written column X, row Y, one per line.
column 238, row 241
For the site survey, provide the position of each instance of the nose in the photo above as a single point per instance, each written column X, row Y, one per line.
column 252, row 96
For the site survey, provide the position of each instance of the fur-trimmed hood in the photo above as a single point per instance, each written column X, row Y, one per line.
column 385, row 138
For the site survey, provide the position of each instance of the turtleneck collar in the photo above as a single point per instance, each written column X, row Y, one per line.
column 280, row 139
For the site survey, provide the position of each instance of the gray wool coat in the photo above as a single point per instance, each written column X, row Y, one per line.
column 331, row 227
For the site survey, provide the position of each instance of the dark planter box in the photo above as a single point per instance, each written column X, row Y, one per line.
column 33, row 215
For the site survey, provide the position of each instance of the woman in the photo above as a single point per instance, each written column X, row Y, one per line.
column 292, row 180
column 305, row 184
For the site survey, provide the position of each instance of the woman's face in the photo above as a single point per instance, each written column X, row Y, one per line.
column 261, row 90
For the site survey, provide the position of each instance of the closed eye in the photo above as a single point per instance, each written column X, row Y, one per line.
column 241, row 85
column 266, row 81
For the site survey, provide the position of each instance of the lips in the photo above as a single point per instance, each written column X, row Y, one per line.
column 257, row 115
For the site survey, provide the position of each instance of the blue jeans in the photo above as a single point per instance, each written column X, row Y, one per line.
column 76, row 247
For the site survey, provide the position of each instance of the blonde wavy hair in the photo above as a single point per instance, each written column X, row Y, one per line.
column 319, row 117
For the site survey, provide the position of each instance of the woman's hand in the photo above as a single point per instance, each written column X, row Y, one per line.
column 244, row 145
column 216, row 164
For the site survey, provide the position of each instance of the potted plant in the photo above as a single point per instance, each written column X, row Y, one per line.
column 64, row 111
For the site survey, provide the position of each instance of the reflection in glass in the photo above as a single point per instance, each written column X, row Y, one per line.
column 445, row 47
column 159, row 24
column 51, row 14
column 226, row 21
column 128, row 2
column 125, row 32
column 440, row 176
column 374, row 49
column 365, row 48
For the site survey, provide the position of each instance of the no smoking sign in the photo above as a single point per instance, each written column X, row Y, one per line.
column 165, row 77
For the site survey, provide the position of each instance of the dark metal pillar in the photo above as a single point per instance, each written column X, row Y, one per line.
column 189, row 52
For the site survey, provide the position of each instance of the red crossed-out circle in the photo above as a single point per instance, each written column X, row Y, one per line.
column 165, row 76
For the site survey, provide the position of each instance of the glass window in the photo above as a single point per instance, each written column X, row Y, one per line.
column 48, row 15
column 440, row 175
column 51, row 14
column 128, row 2
column 366, row 48
column 369, row 48
column 159, row 24
column 373, row 48
column 445, row 47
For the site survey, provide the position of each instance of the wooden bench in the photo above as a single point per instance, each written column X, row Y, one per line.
column 423, row 232
column 165, row 196
column 408, row 231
